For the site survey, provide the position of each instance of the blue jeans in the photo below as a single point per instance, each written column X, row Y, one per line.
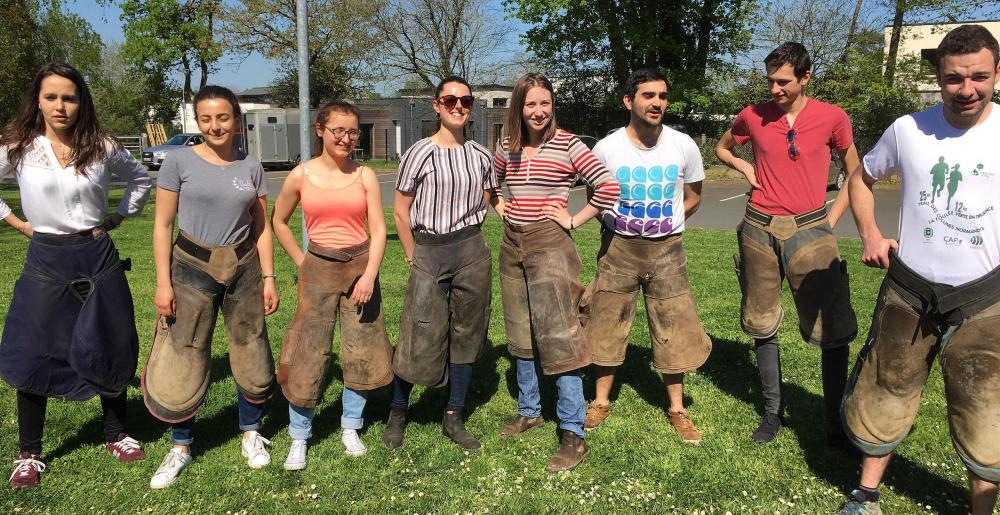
column 570, row 406
column 300, row 419
column 250, row 415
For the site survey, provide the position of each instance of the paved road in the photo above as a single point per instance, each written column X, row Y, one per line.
column 722, row 204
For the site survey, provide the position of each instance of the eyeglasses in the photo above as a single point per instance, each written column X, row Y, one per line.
column 449, row 101
column 339, row 132
column 793, row 151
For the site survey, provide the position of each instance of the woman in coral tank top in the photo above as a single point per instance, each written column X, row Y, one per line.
column 338, row 274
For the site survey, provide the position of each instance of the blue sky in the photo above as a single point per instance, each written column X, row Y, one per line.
column 232, row 72
column 254, row 71
column 257, row 71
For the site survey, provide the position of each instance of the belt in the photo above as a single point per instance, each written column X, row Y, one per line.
column 954, row 303
column 762, row 218
column 202, row 253
column 616, row 234
column 424, row 238
column 344, row 254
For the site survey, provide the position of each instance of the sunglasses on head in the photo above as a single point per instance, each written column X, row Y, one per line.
column 449, row 101
column 793, row 151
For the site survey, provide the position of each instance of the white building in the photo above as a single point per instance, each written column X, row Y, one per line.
column 922, row 40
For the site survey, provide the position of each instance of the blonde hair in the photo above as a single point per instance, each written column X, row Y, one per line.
column 517, row 132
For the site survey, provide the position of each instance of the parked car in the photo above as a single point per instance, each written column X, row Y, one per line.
column 153, row 156
column 836, row 177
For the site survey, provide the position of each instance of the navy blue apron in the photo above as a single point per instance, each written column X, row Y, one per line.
column 70, row 331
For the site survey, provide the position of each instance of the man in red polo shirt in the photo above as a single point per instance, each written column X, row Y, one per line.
column 787, row 233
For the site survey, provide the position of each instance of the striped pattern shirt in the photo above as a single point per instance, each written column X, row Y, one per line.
column 533, row 183
column 447, row 184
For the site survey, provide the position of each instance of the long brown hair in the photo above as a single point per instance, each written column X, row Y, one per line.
column 517, row 132
column 89, row 143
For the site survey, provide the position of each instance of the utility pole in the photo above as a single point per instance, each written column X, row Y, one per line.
column 305, row 149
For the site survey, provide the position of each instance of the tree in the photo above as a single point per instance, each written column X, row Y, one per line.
column 432, row 39
column 127, row 96
column 21, row 63
column 823, row 26
column 171, row 35
column 65, row 37
column 342, row 40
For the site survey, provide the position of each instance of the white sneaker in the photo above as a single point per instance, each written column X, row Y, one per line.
column 353, row 445
column 254, row 451
column 296, row 459
column 166, row 474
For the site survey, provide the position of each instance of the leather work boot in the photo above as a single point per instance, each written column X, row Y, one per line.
column 453, row 427
column 596, row 413
column 395, row 429
column 572, row 451
column 520, row 424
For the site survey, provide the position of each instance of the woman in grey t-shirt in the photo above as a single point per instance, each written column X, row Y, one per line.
column 222, row 258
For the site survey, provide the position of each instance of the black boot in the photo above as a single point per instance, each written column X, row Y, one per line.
column 453, row 427
column 395, row 429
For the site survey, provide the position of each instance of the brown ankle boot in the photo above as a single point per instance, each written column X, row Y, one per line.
column 395, row 429
column 453, row 427
column 572, row 451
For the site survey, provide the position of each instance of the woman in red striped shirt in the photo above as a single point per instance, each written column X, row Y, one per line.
column 539, row 266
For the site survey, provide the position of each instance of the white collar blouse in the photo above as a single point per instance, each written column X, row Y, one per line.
column 58, row 200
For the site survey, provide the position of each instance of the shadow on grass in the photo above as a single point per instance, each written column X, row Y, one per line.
column 732, row 370
column 144, row 427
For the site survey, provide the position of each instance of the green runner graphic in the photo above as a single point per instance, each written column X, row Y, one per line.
column 938, row 172
column 953, row 180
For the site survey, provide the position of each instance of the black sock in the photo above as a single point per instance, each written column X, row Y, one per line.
column 769, row 368
column 867, row 494
column 459, row 378
column 30, row 421
column 834, row 365
column 115, row 416
column 400, row 393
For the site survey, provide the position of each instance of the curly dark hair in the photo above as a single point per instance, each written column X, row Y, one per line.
column 89, row 143
column 967, row 39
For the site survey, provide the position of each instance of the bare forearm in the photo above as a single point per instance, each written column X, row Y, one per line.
column 582, row 216
column 402, row 219
column 862, row 203
column 376, row 251
column 162, row 249
column 16, row 223
column 265, row 250
column 288, row 241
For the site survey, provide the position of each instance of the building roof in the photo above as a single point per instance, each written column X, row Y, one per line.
column 962, row 22
column 257, row 91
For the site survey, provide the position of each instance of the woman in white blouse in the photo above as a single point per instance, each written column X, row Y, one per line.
column 70, row 331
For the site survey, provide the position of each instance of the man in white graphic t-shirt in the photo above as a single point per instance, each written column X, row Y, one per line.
column 941, row 294
column 660, row 173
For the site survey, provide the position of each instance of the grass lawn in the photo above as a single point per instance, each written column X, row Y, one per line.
column 637, row 463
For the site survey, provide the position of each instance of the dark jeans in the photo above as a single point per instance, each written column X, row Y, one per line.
column 31, row 419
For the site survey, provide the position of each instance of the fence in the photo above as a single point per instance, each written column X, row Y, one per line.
column 134, row 144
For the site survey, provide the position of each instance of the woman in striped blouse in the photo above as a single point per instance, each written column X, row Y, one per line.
column 539, row 266
column 441, row 193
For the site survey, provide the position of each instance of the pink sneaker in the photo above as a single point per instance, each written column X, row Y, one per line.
column 27, row 471
column 126, row 449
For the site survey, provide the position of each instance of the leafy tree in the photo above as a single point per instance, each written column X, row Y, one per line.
column 432, row 39
column 342, row 42
column 595, row 44
column 172, row 35
column 17, row 41
column 38, row 32
column 127, row 96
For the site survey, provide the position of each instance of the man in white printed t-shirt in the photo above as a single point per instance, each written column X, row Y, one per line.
column 660, row 173
column 941, row 294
